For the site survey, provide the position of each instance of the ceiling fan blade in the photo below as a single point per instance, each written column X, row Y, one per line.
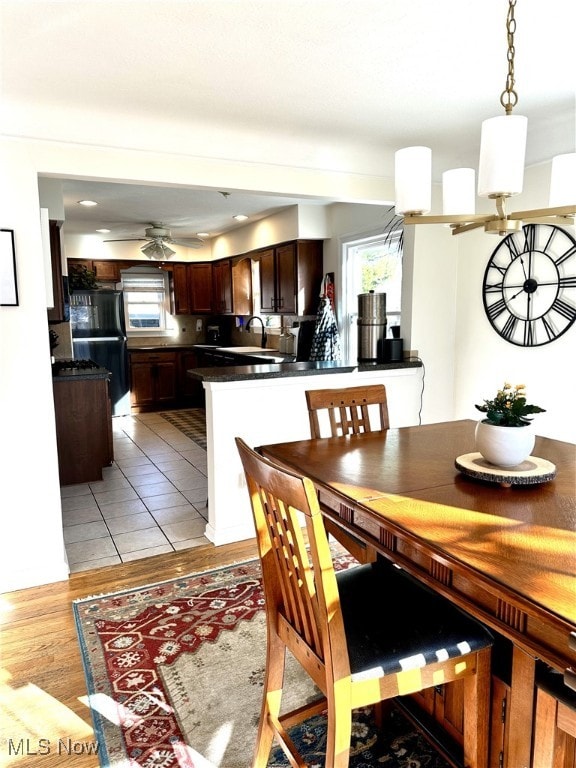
column 127, row 240
column 192, row 242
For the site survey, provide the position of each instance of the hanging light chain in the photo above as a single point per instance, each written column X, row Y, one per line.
column 509, row 97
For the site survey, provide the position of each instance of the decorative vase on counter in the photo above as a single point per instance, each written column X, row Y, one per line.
column 504, row 446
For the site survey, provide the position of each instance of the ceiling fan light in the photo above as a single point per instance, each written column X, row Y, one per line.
column 459, row 191
column 413, row 180
column 502, row 154
column 157, row 250
column 563, row 180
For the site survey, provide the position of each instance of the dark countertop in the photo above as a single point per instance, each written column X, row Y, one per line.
column 80, row 374
column 160, row 347
column 288, row 370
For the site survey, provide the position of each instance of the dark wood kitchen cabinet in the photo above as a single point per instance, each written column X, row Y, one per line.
column 107, row 271
column 200, row 287
column 56, row 314
column 153, row 380
column 290, row 277
column 242, row 302
column 190, row 391
column 83, row 414
column 181, row 288
column 222, row 287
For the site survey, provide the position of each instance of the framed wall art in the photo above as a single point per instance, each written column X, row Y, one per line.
column 8, row 284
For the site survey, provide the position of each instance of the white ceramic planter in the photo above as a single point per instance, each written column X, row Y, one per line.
column 504, row 446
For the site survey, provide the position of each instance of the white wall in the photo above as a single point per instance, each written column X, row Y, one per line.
column 31, row 543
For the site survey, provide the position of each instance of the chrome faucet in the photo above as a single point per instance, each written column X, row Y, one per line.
column 264, row 334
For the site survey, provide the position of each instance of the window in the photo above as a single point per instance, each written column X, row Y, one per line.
column 371, row 263
column 146, row 300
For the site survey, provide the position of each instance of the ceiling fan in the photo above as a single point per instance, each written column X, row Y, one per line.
column 158, row 238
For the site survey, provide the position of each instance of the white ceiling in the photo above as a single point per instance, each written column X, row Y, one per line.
column 345, row 80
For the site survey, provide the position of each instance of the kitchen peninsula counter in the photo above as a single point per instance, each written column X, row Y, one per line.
column 266, row 403
column 290, row 370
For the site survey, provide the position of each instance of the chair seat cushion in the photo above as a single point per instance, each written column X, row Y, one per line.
column 394, row 622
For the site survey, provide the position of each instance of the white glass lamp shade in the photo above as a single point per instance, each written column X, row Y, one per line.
column 157, row 250
column 413, row 180
column 502, row 153
column 459, row 191
column 563, row 180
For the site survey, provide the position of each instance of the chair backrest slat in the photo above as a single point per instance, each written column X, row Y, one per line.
column 348, row 409
column 299, row 580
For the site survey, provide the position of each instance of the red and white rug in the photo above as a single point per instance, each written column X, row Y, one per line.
column 175, row 671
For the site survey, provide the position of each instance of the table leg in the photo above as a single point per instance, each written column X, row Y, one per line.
column 522, row 691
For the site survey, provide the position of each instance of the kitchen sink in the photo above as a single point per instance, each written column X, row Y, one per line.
column 261, row 353
column 243, row 350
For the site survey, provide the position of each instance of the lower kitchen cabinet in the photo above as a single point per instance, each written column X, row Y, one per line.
column 83, row 414
column 191, row 391
column 153, row 380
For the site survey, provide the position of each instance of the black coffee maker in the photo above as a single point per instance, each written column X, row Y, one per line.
column 394, row 347
column 213, row 335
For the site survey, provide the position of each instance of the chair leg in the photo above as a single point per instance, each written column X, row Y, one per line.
column 271, row 698
column 477, row 713
column 339, row 728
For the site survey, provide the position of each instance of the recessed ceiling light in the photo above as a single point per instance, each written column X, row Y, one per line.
column 240, row 217
column 203, row 234
column 87, row 203
column 103, row 231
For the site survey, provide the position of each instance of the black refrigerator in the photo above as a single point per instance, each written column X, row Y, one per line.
column 99, row 334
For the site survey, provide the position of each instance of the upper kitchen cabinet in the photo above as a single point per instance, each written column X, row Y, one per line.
column 107, row 271
column 200, row 287
column 290, row 277
column 56, row 313
column 181, row 287
column 242, row 286
column 222, row 287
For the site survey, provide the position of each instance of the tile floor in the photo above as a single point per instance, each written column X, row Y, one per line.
column 151, row 500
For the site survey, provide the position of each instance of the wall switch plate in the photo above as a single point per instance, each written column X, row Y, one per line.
column 199, row 324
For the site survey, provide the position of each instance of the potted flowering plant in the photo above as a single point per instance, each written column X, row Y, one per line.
column 509, row 408
column 497, row 443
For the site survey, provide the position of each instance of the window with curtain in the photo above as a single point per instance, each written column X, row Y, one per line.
column 371, row 263
column 146, row 300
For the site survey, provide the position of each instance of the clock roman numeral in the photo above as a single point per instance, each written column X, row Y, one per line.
column 512, row 247
column 564, row 309
column 496, row 309
column 529, row 237
column 567, row 282
column 550, row 332
column 509, row 327
column 549, row 241
column 529, row 336
column 566, row 255
column 495, row 287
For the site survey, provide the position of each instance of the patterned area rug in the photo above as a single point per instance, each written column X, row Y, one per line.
column 190, row 421
column 175, row 671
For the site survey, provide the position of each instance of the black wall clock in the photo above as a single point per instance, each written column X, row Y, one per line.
column 529, row 288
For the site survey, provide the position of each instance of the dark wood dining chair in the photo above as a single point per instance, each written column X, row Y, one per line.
column 364, row 635
column 348, row 413
column 347, row 409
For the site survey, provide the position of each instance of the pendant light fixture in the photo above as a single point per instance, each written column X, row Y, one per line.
column 500, row 173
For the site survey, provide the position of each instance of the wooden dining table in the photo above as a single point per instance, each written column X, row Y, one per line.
column 504, row 553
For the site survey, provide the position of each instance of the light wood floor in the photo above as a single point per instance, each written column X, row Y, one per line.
column 44, row 718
